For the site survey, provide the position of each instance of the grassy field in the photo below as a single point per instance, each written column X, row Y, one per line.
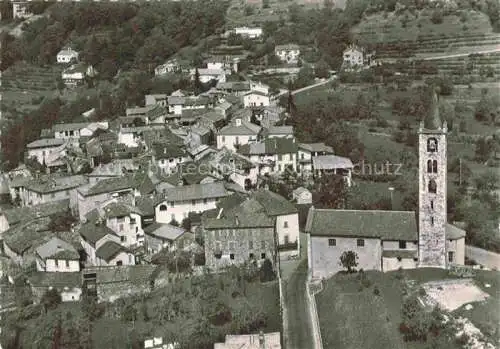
column 384, row 28
column 352, row 316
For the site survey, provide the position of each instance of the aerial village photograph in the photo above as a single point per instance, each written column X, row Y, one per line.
column 250, row 174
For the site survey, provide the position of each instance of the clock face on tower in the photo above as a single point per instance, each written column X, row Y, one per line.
column 432, row 145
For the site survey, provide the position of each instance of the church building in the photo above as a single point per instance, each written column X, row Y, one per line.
column 389, row 240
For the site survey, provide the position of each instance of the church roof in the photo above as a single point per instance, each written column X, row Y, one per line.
column 386, row 225
column 433, row 120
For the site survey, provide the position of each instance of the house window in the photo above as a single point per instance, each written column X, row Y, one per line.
column 429, row 166
column 432, row 187
column 262, row 256
column 193, row 202
column 451, row 257
column 287, row 239
column 280, row 157
column 231, row 256
column 332, row 242
column 163, row 207
column 56, row 263
column 432, row 220
column 119, row 263
column 434, row 166
column 67, row 264
column 123, row 238
column 205, row 201
column 402, row 245
column 285, row 224
column 251, row 256
column 432, row 204
column 360, row 242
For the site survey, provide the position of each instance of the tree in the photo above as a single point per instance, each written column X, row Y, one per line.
column 322, row 69
column 266, row 271
column 330, row 191
column 62, row 222
column 304, row 77
column 349, row 261
column 51, row 299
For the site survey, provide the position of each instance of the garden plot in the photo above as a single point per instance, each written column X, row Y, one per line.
column 452, row 294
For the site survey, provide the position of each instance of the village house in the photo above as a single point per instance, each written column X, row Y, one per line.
column 167, row 156
column 180, row 201
column 20, row 9
column 242, row 234
column 68, row 285
column 156, row 99
column 126, row 221
column 333, row 164
column 91, row 196
column 171, row 66
column 237, row 88
column 250, row 33
column 177, row 104
column 238, row 133
column 307, row 151
column 236, row 167
column 213, row 119
column 224, row 108
column 51, row 188
column 256, row 98
column 74, row 131
column 41, row 148
column 284, row 214
column 356, row 57
column 288, row 53
column 274, row 155
column 383, row 240
column 67, row 55
column 76, row 74
column 251, row 341
column 223, row 62
column 206, row 74
column 161, row 236
column 302, row 196
column 132, row 137
column 116, row 168
column 278, row 132
column 157, row 343
column 102, row 246
column 57, row 255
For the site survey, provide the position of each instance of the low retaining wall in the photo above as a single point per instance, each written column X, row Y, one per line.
column 318, row 342
column 490, row 260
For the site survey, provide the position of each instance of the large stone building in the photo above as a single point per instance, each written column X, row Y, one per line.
column 388, row 240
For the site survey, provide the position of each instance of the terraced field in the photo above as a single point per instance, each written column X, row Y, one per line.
column 26, row 77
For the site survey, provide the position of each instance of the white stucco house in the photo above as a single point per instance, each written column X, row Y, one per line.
column 41, row 148
column 57, row 255
column 76, row 74
column 206, row 74
column 238, row 133
column 180, row 201
column 250, row 33
column 256, row 98
column 288, row 53
column 67, row 55
column 273, row 155
column 356, row 57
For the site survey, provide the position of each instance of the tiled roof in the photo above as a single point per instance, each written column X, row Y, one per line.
column 27, row 235
column 17, row 215
column 139, row 275
column 270, row 146
column 164, row 231
column 109, row 250
column 176, row 100
column 46, row 142
column 120, row 209
column 231, row 201
column 387, row 225
column 146, row 204
column 287, row 47
column 138, row 110
column 316, row 147
column 196, row 192
column 327, row 162
column 168, row 151
column 92, row 232
column 280, row 130
column 114, row 169
column 453, row 232
column 274, row 204
column 138, row 181
column 56, row 248
column 245, row 129
column 51, row 184
column 58, row 280
column 249, row 214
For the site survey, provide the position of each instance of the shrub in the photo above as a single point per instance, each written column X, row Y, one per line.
column 437, row 16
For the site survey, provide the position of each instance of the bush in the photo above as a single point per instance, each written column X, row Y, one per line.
column 437, row 16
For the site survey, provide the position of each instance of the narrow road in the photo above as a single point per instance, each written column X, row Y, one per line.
column 307, row 87
column 299, row 321
column 465, row 54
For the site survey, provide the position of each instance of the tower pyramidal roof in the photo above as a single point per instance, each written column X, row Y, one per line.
column 433, row 119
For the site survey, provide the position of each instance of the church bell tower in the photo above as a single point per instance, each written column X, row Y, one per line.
column 432, row 189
